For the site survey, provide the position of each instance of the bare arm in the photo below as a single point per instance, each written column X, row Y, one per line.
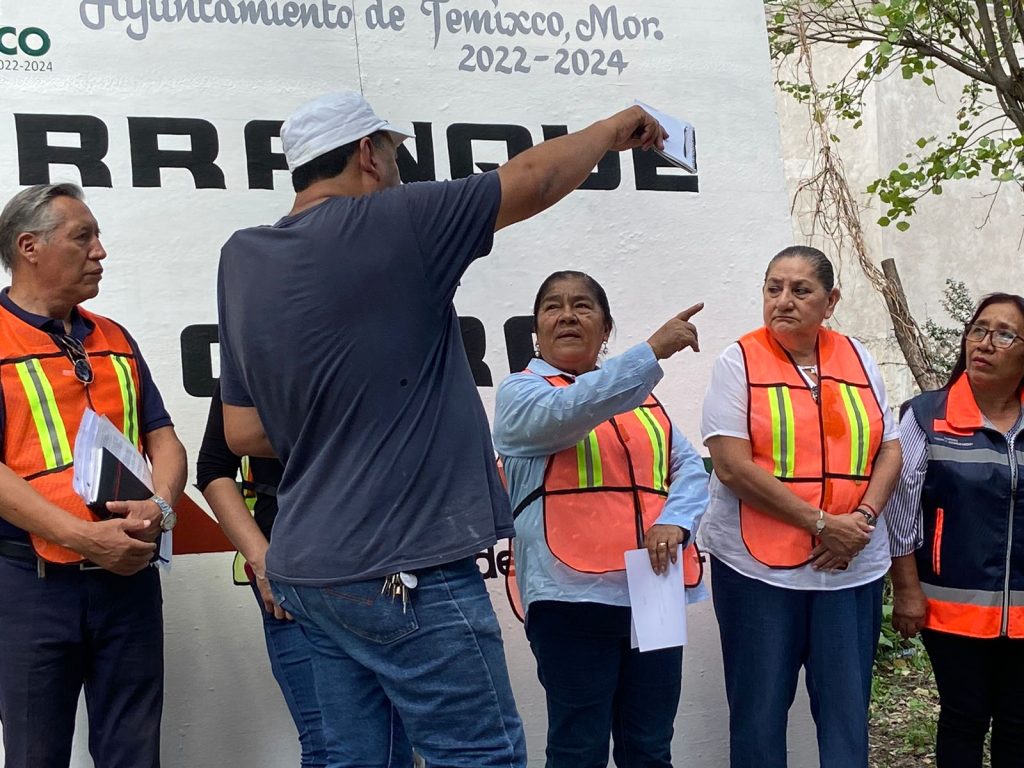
column 244, row 432
column 536, row 179
column 167, row 455
column 884, row 474
column 909, row 605
column 734, row 465
column 844, row 535
column 109, row 543
column 233, row 515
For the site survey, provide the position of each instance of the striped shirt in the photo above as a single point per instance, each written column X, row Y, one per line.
column 903, row 511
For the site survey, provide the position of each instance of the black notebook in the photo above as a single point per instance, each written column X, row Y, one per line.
column 116, row 483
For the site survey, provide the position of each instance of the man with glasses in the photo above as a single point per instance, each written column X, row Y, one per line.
column 81, row 606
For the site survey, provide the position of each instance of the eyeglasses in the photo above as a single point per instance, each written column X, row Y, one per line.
column 1001, row 339
column 76, row 353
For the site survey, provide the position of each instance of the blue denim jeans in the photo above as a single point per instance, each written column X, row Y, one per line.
column 438, row 660
column 768, row 634
column 596, row 686
column 291, row 661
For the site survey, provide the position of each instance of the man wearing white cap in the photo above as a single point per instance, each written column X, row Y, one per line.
column 341, row 354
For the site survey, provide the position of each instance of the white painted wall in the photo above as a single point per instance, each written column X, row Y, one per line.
column 656, row 252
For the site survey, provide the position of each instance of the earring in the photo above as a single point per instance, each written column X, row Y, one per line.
column 536, row 350
column 604, row 348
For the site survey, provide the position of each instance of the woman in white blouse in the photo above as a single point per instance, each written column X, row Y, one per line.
column 805, row 452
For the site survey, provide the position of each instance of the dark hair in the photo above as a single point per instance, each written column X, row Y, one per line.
column 818, row 261
column 993, row 298
column 330, row 164
column 570, row 274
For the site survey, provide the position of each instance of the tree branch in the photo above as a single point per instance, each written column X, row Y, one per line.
column 1006, row 39
column 988, row 36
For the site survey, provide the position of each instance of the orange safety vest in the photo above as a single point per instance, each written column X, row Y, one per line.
column 44, row 402
column 822, row 450
column 604, row 493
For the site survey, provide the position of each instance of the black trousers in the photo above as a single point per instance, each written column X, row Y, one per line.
column 73, row 629
column 596, row 686
column 981, row 683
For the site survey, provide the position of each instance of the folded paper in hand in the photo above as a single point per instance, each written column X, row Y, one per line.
column 681, row 144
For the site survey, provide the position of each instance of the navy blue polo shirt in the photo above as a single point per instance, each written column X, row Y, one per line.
column 153, row 413
column 337, row 325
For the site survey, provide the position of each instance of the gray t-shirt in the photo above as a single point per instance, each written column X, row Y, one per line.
column 337, row 324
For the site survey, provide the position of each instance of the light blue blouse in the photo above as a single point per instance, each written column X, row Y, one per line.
column 533, row 420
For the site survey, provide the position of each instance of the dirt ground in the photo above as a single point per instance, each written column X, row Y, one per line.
column 904, row 710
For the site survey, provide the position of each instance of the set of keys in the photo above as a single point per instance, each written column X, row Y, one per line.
column 398, row 585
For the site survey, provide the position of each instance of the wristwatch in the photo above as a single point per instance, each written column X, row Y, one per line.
column 868, row 517
column 168, row 517
column 819, row 524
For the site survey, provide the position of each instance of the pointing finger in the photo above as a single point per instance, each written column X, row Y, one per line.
column 689, row 312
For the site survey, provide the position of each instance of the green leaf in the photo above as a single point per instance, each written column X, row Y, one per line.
column 902, row 226
column 884, row 221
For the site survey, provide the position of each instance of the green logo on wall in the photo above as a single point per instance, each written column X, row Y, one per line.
column 31, row 41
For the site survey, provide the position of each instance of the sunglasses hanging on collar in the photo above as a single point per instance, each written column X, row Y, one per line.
column 75, row 351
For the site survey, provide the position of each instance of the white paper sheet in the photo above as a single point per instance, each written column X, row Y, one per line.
column 681, row 144
column 658, row 602
column 94, row 434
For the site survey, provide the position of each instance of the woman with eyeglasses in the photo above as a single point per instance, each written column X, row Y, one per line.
column 957, row 539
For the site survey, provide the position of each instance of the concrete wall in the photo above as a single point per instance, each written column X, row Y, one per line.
column 114, row 61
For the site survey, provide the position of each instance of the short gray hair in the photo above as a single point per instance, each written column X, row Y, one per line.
column 29, row 211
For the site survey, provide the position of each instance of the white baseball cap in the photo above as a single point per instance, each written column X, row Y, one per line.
column 331, row 121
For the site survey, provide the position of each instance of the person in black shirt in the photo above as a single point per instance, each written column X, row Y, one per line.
column 287, row 646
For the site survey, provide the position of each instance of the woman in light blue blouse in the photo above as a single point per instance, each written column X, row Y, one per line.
column 595, row 468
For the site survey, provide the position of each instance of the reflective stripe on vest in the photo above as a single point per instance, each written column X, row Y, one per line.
column 783, row 431
column 588, row 460
column 830, row 465
column 43, row 404
column 973, row 612
column 968, row 562
column 621, row 471
column 129, row 397
column 860, row 429
column 53, row 438
column 659, row 442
